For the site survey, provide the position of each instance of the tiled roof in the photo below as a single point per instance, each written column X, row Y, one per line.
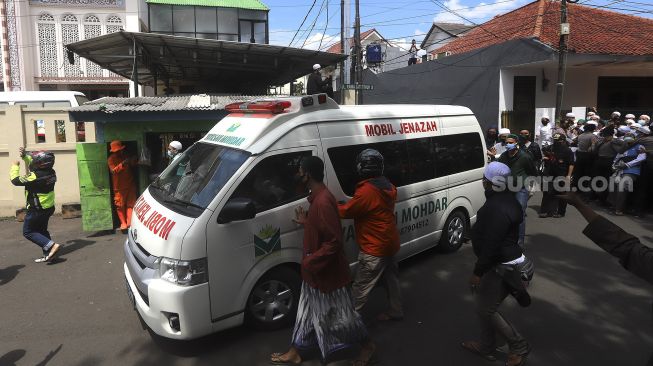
column 199, row 102
column 453, row 29
column 240, row 4
column 335, row 48
column 593, row 31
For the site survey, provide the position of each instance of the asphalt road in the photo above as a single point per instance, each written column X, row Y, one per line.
column 586, row 311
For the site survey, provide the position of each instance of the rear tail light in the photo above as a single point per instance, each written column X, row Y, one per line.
column 263, row 106
column 322, row 98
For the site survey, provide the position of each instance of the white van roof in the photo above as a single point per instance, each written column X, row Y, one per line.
column 256, row 130
column 25, row 96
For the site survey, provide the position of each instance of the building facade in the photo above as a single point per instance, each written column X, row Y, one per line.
column 34, row 34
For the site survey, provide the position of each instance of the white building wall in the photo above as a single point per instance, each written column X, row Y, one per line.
column 581, row 84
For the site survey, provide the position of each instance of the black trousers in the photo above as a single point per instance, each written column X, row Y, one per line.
column 602, row 167
column 491, row 294
column 643, row 187
column 583, row 166
column 550, row 203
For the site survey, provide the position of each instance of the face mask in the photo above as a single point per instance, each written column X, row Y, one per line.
column 511, row 147
column 171, row 154
column 629, row 140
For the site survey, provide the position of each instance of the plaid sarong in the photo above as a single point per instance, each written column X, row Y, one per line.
column 327, row 321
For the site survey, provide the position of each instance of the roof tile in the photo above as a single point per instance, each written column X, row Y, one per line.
column 593, row 31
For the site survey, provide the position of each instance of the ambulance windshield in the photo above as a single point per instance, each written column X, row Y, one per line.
column 191, row 182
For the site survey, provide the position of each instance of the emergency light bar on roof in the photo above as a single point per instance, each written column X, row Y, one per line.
column 271, row 106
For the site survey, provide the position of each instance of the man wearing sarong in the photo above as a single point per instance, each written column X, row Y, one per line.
column 326, row 319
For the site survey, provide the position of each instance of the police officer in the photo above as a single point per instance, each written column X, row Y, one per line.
column 39, row 183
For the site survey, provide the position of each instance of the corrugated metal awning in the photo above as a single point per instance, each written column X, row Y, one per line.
column 240, row 4
column 231, row 67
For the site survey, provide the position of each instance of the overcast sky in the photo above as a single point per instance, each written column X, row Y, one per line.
column 399, row 20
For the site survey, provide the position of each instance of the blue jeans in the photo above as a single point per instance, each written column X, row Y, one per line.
column 522, row 198
column 35, row 228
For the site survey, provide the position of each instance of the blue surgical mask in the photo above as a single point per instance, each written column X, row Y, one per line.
column 511, row 146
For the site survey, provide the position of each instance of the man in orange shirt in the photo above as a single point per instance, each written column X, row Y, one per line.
column 373, row 211
column 123, row 182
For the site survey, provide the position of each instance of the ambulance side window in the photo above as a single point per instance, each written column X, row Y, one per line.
column 272, row 181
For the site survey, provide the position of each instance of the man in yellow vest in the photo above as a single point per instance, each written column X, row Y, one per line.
column 39, row 183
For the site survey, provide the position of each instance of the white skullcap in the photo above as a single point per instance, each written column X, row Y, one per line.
column 176, row 145
column 616, row 113
column 495, row 170
column 317, row 67
column 545, row 116
column 645, row 117
column 629, row 116
column 592, row 123
column 630, row 121
column 570, row 115
column 644, row 129
column 504, row 131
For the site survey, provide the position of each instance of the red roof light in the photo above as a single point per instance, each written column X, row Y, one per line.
column 260, row 106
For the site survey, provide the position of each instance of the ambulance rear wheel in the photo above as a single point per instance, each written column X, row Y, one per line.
column 272, row 304
column 453, row 232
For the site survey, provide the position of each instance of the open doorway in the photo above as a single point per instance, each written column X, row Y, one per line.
column 130, row 177
column 157, row 143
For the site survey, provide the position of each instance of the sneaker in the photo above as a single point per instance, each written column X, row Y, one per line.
column 543, row 215
column 42, row 259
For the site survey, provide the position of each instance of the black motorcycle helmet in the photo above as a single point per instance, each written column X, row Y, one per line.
column 42, row 160
column 369, row 163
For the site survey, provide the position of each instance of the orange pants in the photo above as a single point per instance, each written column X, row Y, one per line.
column 124, row 201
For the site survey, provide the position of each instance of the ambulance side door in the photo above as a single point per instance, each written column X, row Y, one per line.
column 240, row 252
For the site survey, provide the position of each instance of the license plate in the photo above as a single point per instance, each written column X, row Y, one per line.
column 130, row 294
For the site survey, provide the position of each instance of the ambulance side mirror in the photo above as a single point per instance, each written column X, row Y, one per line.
column 237, row 209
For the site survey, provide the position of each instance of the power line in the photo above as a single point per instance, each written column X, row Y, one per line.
column 325, row 26
column 301, row 25
column 313, row 25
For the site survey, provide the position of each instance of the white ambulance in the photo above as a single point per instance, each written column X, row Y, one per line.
column 212, row 243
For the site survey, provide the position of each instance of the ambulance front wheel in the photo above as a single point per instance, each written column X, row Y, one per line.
column 272, row 304
column 453, row 232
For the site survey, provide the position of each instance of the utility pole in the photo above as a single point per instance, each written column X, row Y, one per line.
column 341, row 80
column 562, row 58
column 359, row 54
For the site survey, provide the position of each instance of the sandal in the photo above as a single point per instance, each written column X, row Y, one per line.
column 365, row 361
column 517, row 360
column 275, row 359
column 383, row 317
column 475, row 347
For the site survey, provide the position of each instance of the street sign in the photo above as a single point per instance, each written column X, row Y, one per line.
column 358, row 87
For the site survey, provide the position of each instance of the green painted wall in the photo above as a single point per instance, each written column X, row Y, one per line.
column 135, row 131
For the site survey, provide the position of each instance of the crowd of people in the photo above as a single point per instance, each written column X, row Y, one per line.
column 610, row 162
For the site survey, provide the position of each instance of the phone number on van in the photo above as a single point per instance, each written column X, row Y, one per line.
column 404, row 128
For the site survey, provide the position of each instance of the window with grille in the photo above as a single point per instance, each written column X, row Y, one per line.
column 92, row 29
column 70, row 34
column 47, row 40
column 114, row 24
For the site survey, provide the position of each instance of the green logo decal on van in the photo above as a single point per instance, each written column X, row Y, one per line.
column 233, row 127
column 267, row 241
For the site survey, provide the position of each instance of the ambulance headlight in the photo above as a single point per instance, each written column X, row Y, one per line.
column 184, row 273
